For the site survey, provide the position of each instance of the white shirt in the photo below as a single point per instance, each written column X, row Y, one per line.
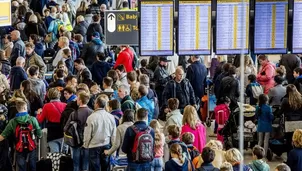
column 58, row 57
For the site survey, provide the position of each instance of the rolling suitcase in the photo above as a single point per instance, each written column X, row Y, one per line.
column 42, row 164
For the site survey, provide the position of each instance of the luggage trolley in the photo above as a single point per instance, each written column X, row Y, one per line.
column 209, row 103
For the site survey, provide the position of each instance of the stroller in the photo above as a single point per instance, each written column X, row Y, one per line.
column 231, row 130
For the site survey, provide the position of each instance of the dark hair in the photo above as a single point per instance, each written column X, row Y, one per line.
column 101, row 56
column 70, row 77
column 69, row 90
column 88, row 11
column 173, row 103
column 113, row 74
column 132, row 76
column 278, row 79
column 251, row 78
column 263, row 99
column 143, row 90
column 298, row 70
column 114, row 104
column 259, row 152
column 232, row 70
column 22, row 11
column 226, row 67
column 141, row 113
column 108, row 81
column 67, row 52
column 262, row 57
column 27, row 16
column 121, row 68
column 128, row 116
column 60, row 73
column 208, row 155
column 8, row 37
column 96, row 18
column 35, row 38
column 33, row 70
column 173, row 131
column 79, row 61
column 125, row 4
column 28, row 92
column 223, row 100
column 144, row 62
column 39, row 17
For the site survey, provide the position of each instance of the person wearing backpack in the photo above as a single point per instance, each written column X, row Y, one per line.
column 125, row 57
column 188, row 139
column 222, row 113
column 178, row 162
column 251, row 89
column 80, row 155
column 99, row 133
column 25, row 128
column 139, row 143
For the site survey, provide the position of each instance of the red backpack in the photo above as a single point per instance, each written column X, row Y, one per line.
column 143, row 147
column 24, row 138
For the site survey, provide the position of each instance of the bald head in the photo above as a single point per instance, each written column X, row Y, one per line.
column 15, row 35
column 179, row 73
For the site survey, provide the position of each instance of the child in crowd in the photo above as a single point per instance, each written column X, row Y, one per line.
column 188, row 139
column 219, row 153
column 234, row 157
column 282, row 167
column 226, row 166
column 281, row 71
column 222, row 113
column 265, row 116
column 173, row 136
column 298, row 79
column 178, row 162
column 68, row 61
column 253, row 89
column 115, row 109
column 157, row 163
column 294, row 159
column 208, row 156
column 258, row 164
column 174, row 117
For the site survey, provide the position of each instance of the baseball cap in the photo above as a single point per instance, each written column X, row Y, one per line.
column 96, row 34
column 164, row 59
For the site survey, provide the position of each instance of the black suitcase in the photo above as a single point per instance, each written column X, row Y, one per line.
column 44, row 165
column 66, row 163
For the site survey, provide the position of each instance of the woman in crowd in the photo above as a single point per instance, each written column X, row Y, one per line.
column 114, row 75
column 51, row 112
column 32, row 97
column 178, row 162
column 8, row 45
column 127, row 121
column 18, row 95
column 277, row 93
column 82, row 9
column 294, row 159
column 249, row 69
column 94, row 7
column 291, row 107
column 266, row 73
column 67, row 17
column 191, row 123
column 234, row 157
column 33, row 27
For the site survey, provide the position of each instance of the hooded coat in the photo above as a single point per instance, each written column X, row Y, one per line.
column 99, row 70
column 266, row 75
column 39, row 87
column 90, row 50
column 259, row 165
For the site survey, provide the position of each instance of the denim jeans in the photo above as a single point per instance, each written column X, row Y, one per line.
column 139, row 166
column 55, row 145
column 98, row 159
column 80, row 158
column 22, row 158
column 157, row 164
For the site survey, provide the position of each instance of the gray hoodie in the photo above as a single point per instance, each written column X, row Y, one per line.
column 38, row 86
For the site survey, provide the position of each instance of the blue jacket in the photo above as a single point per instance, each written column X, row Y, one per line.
column 39, row 49
column 148, row 104
column 99, row 70
column 294, row 159
column 245, row 168
column 171, row 165
column 207, row 167
column 17, row 75
column 197, row 75
column 265, row 118
column 117, row 115
column 130, row 136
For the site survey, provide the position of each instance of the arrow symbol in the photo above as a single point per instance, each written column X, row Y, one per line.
column 111, row 16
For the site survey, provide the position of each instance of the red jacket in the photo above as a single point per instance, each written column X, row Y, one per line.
column 51, row 112
column 125, row 58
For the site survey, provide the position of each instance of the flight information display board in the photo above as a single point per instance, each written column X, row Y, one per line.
column 297, row 27
column 271, row 17
column 194, row 27
column 156, row 28
column 232, row 27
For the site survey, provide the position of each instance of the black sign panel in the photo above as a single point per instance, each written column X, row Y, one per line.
column 121, row 27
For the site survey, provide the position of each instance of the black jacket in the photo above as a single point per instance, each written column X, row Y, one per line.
column 81, row 28
column 289, row 112
column 5, row 67
column 197, row 75
column 93, row 27
column 99, row 70
column 161, row 77
column 229, row 87
column 34, row 28
column 290, row 62
column 17, row 75
column 90, row 50
column 170, row 92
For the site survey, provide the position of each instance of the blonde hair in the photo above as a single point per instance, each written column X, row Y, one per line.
column 85, row 88
column 67, row 7
column 94, row 2
column 18, row 95
column 53, row 93
column 176, row 149
column 233, row 156
column 135, row 94
column 190, row 116
column 65, row 40
column 297, row 138
column 294, row 97
column 222, row 58
column 80, row 18
column 33, row 18
column 215, row 145
column 158, row 138
column 226, row 166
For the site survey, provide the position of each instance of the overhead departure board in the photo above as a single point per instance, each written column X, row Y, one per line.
column 194, row 27
column 271, row 26
column 297, row 27
column 156, row 28
column 232, row 27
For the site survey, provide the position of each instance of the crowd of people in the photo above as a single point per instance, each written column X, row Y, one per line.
column 109, row 108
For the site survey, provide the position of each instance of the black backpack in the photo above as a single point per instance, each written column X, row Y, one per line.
column 73, row 136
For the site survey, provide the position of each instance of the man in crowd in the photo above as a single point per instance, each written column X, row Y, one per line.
column 34, row 59
column 18, row 49
column 99, row 132
column 125, row 57
column 62, row 44
column 17, row 74
column 81, row 68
